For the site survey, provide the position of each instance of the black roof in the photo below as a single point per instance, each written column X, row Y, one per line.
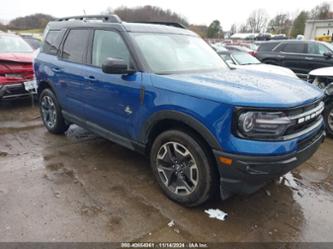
column 115, row 22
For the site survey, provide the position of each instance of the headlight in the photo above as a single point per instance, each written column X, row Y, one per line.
column 257, row 124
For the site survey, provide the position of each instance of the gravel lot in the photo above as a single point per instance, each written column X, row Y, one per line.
column 80, row 187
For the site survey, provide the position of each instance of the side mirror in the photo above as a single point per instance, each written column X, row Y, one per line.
column 116, row 66
column 328, row 55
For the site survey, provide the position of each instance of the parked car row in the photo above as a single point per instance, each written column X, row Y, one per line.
column 240, row 56
column 16, row 72
column 236, row 59
column 299, row 56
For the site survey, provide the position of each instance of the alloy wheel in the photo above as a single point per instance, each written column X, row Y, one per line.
column 177, row 168
column 49, row 113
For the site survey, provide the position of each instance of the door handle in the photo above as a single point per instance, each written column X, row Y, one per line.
column 309, row 58
column 281, row 56
column 90, row 78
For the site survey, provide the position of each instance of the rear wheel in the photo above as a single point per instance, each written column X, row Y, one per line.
column 51, row 113
column 183, row 168
column 328, row 117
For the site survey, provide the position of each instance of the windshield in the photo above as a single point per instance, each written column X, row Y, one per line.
column 14, row 44
column 172, row 53
column 245, row 59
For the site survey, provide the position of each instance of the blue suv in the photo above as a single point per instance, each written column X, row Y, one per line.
column 163, row 91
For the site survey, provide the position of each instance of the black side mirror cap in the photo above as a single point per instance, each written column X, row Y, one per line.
column 116, row 66
column 328, row 54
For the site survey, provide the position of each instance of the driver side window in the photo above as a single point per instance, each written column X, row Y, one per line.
column 323, row 49
column 318, row 49
column 108, row 44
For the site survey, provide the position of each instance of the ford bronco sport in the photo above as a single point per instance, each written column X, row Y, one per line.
column 164, row 92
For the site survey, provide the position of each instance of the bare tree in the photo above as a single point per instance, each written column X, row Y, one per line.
column 257, row 20
column 280, row 24
column 244, row 28
column 2, row 27
column 322, row 11
column 233, row 29
column 35, row 21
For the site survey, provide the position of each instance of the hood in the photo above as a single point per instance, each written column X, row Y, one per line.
column 16, row 57
column 242, row 88
column 324, row 71
column 265, row 68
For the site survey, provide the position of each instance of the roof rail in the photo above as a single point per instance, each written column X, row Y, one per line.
column 104, row 18
column 173, row 24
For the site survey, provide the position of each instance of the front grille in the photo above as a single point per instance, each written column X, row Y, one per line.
column 305, row 119
column 299, row 127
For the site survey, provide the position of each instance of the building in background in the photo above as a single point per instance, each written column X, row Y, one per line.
column 319, row 30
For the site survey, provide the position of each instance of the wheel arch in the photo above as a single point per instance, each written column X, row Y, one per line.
column 43, row 85
column 165, row 120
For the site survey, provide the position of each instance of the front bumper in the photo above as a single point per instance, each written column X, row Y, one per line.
column 13, row 91
column 246, row 174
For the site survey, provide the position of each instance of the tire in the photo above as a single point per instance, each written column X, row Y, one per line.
column 183, row 168
column 328, row 118
column 50, row 112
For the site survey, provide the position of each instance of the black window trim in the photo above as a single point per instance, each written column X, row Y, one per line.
column 61, row 47
column 60, row 37
column 317, row 55
column 271, row 50
column 126, row 42
column 284, row 44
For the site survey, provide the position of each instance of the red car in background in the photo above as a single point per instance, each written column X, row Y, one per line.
column 16, row 73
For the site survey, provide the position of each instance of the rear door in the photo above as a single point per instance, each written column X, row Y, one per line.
column 70, row 70
column 316, row 56
column 292, row 56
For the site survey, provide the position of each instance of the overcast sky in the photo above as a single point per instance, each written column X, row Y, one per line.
column 195, row 11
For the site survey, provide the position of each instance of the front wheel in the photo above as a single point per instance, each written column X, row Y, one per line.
column 328, row 117
column 51, row 113
column 183, row 168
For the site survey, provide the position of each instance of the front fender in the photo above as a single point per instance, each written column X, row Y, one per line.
column 179, row 117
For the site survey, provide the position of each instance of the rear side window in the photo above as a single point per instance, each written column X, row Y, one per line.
column 267, row 46
column 298, row 48
column 75, row 46
column 52, row 42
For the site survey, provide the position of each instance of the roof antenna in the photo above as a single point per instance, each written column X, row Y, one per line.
column 84, row 13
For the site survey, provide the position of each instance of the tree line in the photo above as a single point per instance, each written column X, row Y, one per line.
column 35, row 21
column 140, row 14
column 257, row 22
